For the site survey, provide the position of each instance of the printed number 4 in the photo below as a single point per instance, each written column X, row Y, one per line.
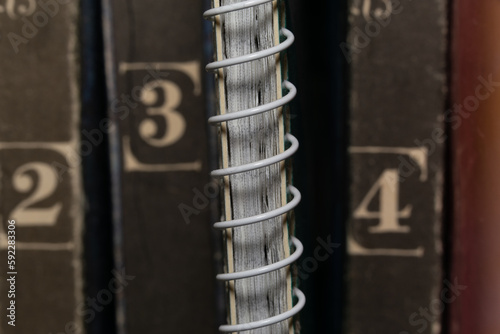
column 388, row 214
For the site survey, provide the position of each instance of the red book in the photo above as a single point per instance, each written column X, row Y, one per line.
column 475, row 124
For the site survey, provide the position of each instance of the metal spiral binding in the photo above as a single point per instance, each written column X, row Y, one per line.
column 292, row 91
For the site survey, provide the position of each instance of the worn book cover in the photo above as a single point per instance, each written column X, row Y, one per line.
column 474, row 122
column 396, row 52
column 41, row 209
column 159, row 157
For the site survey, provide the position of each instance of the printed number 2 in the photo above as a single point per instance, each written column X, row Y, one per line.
column 25, row 215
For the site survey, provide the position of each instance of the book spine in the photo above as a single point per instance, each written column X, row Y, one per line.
column 41, row 211
column 159, row 155
column 474, row 122
column 397, row 56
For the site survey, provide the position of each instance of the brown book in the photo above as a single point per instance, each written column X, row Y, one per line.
column 159, row 156
column 397, row 56
column 475, row 122
column 41, row 284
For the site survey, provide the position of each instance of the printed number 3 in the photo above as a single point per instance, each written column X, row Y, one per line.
column 175, row 122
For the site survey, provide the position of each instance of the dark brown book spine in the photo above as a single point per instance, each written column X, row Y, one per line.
column 160, row 152
column 397, row 53
column 41, row 284
column 475, row 122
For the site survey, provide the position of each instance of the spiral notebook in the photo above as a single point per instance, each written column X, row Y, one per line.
column 257, row 197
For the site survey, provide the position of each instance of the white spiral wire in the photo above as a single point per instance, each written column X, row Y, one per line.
column 292, row 91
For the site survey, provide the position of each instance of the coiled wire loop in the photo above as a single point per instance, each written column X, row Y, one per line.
column 292, row 91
